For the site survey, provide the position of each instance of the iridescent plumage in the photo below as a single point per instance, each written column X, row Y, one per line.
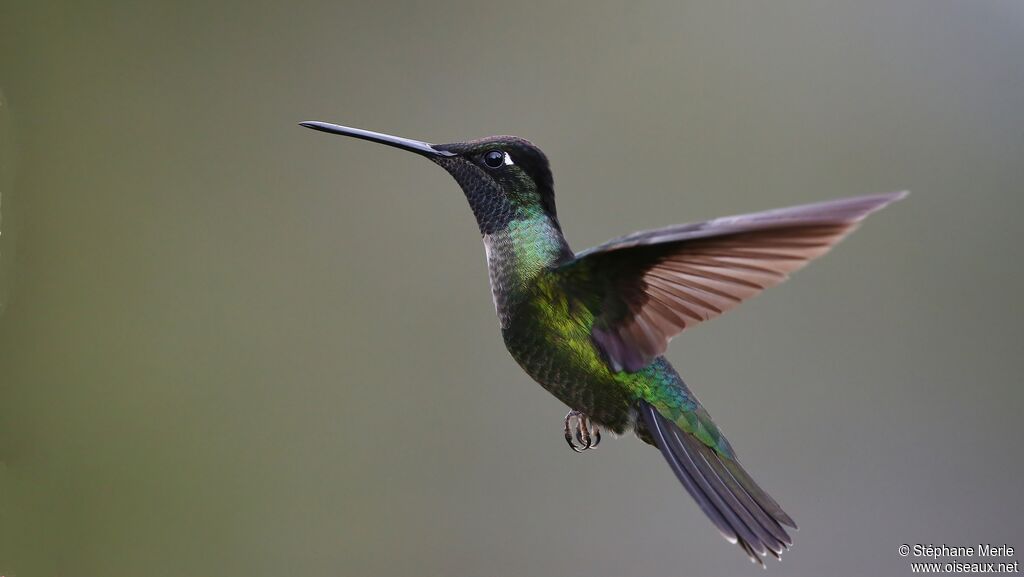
column 591, row 327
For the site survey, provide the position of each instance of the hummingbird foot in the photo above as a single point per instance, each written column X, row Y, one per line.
column 580, row 432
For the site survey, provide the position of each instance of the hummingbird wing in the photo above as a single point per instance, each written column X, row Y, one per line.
column 647, row 287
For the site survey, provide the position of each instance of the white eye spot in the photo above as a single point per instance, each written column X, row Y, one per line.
column 508, row 160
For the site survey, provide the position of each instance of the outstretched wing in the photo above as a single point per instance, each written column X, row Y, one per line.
column 647, row 287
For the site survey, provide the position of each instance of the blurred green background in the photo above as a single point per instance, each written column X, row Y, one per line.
column 232, row 346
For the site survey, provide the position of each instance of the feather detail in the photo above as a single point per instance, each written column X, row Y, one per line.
column 743, row 513
column 647, row 287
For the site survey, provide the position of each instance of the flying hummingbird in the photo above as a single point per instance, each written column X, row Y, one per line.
column 592, row 327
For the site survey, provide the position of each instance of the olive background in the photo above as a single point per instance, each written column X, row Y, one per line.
column 233, row 346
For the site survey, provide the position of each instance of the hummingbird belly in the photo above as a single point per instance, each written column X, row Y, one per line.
column 554, row 347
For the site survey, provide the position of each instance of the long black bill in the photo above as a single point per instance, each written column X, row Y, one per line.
column 397, row 141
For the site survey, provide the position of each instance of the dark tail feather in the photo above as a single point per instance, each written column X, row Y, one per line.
column 741, row 510
column 762, row 498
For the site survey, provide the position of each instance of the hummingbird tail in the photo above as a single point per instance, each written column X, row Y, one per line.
column 738, row 507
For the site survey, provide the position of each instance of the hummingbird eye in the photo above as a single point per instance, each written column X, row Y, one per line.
column 494, row 158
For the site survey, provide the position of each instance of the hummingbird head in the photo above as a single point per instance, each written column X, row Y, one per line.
column 504, row 178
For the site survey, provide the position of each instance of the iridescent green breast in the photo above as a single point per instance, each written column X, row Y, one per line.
column 517, row 255
column 548, row 332
column 549, row 336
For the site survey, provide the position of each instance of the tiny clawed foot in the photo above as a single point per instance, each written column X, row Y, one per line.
column 580, row 432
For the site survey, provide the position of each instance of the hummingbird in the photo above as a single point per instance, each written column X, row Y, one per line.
column 592, row 327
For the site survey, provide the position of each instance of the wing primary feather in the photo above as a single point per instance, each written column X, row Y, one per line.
column 665, row 309
column 682, row 294
column 678, row 301
column 830, row 213
column 702, row 287
column 690, row 262
column 645, row 288
column 721, row 277
column 751, row 254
